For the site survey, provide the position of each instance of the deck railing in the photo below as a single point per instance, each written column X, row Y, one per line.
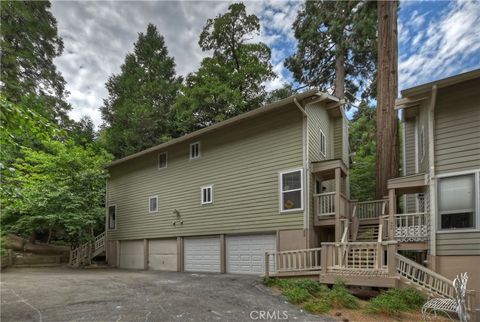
column 300, row 260
column 325, row 204
column 411, row 227
column 370, row 209
column 355, row 255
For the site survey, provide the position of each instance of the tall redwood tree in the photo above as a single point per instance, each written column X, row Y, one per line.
column 387, row 87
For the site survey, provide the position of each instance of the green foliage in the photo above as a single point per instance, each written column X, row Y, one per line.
column 328, row 31
column 29, row 43
column 316, row 305
column 296, row 294
column 138, row 111
column 362, row 135
column 340, row 297
column 395, row 301
column 231, row 81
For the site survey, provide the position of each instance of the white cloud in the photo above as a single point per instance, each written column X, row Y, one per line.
column 450, row 42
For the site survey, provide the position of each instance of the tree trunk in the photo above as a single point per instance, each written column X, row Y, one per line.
column 49, row 235
column 387, row 88
column 340, row 75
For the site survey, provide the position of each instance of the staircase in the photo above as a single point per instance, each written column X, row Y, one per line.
column 367, row 233
column 84, row 254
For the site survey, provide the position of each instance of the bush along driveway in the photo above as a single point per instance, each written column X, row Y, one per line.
column 338, row 302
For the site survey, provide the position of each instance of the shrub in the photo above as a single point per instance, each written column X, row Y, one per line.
column 317, row 305
column 340, row 297
column 311, row 286
column 395, row 301
column 296, row 295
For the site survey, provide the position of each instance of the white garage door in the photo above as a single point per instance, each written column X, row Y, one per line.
column 162, row 254
column 131, row 254
column 246, row 254
column 202, row 254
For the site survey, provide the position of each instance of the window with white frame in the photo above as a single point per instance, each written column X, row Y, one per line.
column 153, row 204
column 112, row 217
column 457, row 202
column 421, row 145
column 323, row 143
column 207, row 194
column 291, row 190
column 162, row 160
column 195, row 150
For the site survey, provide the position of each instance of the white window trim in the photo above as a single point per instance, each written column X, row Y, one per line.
column 322, row 135
column 199, row 150
column 476, row 173
column 150, row 210
column 280, row 191
column 166, row 160
column 211, row 195
column 116, row 217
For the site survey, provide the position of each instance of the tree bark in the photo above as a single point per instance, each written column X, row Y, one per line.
column 340, row 74
column 387, row 160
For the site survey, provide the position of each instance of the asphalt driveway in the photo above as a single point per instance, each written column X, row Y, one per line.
column 63, row 294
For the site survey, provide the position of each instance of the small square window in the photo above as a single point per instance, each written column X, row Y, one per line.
column 207, row 195
column 323, row 144
column 195, row 150
column 153, row 204
column 162, row 160
column 112, row 217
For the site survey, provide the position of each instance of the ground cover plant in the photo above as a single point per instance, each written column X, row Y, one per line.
column 397, row 304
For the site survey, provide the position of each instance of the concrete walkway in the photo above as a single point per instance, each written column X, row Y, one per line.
column 63, row 294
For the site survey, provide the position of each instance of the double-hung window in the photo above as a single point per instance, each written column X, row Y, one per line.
column 195, row 150
column 207, row 195
column 162, row 160
column 112, row 217
column 456, row 202
column 153, row 204
column 291, row 190
column 323, row 144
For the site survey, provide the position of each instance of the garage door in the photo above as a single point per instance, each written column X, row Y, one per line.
column 162, row 254
column 246, row 254
column 202, row 254
column 131, row 254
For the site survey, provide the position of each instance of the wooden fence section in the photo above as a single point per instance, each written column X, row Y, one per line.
column 325, row 204
column 411, row 227
column 370, row 209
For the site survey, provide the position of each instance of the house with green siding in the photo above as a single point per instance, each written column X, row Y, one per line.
column 267, row 193
column 217, row 199
column 438, row 193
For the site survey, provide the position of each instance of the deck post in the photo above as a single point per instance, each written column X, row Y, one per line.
column 338, row 228
column 267, row 265
column 392, row 205
column 391, row 259
column 323, row 258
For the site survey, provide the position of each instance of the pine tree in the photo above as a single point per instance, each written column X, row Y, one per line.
column 138, row 111
column 29, row 43
column 231, row 81
column 336, row 46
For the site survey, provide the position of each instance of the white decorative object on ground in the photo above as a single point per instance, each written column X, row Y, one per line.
column 450, row 307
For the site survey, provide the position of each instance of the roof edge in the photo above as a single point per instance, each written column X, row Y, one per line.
column 444, row 82
column 217, row 126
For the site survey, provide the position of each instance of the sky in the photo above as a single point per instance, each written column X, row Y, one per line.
column 436, row 39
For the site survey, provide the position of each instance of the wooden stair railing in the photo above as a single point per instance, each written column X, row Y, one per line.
column 83, row 254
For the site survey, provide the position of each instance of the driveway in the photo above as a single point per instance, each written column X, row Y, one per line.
column 63, row 294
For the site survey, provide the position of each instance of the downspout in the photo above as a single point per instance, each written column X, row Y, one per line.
column 306, row 174
column 431, row 175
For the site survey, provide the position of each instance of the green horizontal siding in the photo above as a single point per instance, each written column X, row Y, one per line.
column 462, row 243
column 457, row 124
column 318, row 119
column 241, row 161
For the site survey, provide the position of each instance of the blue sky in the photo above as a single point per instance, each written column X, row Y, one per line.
column 437, row 39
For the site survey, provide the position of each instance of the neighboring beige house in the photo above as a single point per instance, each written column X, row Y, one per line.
column 217, row 199
column 441, row 173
